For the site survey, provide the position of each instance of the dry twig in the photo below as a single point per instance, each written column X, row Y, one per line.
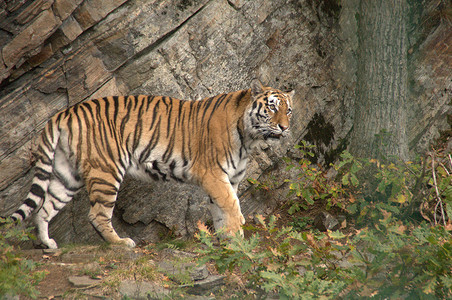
column 439, row 202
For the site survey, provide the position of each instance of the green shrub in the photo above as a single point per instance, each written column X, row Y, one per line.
column 401, row 188
column 401, row 261
column 392, row 253
column 17, row 274
column 311, row 184
column 292, row 264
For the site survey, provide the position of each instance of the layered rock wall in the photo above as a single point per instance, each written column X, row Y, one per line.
column 55, row 53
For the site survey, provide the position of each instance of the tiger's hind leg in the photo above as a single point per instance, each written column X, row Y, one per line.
column 64, row 184
column 103, row 189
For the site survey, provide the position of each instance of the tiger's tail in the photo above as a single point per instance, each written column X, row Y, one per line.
column 43, row 170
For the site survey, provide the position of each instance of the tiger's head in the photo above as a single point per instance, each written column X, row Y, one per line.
column 270, row 112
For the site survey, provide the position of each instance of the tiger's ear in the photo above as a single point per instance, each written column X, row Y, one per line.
column 291, row 94
column 256, row 87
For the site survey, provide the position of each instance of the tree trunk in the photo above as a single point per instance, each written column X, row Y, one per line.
column 380, row 109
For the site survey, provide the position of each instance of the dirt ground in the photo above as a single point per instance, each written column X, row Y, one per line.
column 105, row 265
column 108, row 265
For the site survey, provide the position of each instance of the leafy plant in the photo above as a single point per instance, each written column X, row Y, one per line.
column 301, row 223
column 392, row 254
column 292, row 264
column 17, row 274
column 401, row 261
column 441, row 191
column 374, row 186
column 311, row 183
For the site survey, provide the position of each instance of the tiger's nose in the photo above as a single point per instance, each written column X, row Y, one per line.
column 282, row 127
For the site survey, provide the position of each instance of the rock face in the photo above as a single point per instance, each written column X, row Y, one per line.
column 55, row 53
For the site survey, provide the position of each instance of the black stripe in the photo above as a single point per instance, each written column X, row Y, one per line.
column 78, row 125
column 21, row 213
column 66, row 112
column 183, row 130
column 105, row 141
column 219, row 101
column 30, row 203
column 156, row 168
column 50, row 127
column 46, row 142
column 43, row 157
column 56, row 197
column 218, row 163
column 67, row 183
column 126, row 118
column 240, row 97
column 172, row 168
column 139, row 128
column 135, row 102
column 231, row 158
column 163, row 100
column 101, row 181
column 240, row 132
column 148, row 102
column 53, row 205
column 42, row 174
column 70, row 127
column 179, row 115
column 45, row 209
column 206, row 106
column 152, row 143
column 169, row 149
column 238, row 174
column 105, row 192
column 155, row 111
column 97, row 103
column 152, row 175
column 37, row 190
column 169, row 112
column 115, row 111
column 107, row 109
column 86, row 133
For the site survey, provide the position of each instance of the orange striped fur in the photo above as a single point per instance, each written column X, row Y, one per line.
column 206, row 142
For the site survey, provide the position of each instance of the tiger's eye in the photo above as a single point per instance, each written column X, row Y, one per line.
column 272, row 107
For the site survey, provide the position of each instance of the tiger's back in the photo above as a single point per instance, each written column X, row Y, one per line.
column 96, row 142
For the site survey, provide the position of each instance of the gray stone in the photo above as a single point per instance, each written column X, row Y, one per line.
column 325, row 221
column 82, row 281
column 180, row 271
column 205, row 287
column 142, row 290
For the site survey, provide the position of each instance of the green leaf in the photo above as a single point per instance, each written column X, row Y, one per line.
column 336, row 235
column 354, row 180
column 345, row 180
column 352, row 208
column 381, row 186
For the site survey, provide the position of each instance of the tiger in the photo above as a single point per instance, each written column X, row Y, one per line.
column 94, row 143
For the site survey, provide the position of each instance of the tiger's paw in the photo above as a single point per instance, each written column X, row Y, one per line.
column 232, row 232
column 235, row 225
column 128, row 242
column 51, row 244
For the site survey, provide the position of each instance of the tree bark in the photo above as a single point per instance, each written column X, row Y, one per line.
column 380, row 109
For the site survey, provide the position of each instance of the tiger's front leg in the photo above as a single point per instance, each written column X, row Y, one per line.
column 225, row 208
